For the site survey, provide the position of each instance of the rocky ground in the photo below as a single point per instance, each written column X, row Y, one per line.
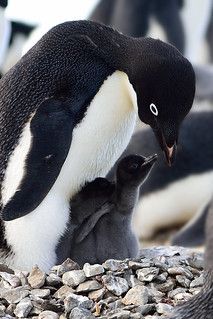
column 148, row 287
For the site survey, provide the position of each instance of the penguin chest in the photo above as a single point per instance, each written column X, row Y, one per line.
column 102, row 135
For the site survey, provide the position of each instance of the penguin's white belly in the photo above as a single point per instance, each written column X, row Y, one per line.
column 97, row 142
column 172, row 206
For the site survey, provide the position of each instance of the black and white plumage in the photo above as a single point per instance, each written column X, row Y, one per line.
column 107, row 79
column 101, row 216
column 188, row 182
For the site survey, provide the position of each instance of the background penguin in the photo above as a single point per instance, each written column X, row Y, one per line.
column 102, row 215
column 5, row 31
column 133, row 17
column 164, row 201
column 193, row 233
column 201, row 305
column 91, row 68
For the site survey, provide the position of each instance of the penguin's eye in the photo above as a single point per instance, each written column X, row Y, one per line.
column 153, row 109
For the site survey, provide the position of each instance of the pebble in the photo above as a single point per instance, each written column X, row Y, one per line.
column 23, row 308
column 88, row 286
column 164, row 309
column 137, row 296
column 40, row 293
column 73, row 278
column 147, row 274
column 79, row 313
column 93, row 270
column 97, row 294
column 183, row 281
column 15, row 295
column 116, row 285
column 115, row 265
column 67, row 265
column 198, row 282
column 146, row 309
column 63, row 292
column 74, row 300
column 13, row 280
column 48, row 315
column 36, row 278
column 53, row 280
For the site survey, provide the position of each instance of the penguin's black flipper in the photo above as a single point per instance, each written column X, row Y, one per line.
column 51, row 129
column 193, row 233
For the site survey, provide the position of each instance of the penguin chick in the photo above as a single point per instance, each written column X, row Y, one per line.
column 107, row 232
column 201, row 305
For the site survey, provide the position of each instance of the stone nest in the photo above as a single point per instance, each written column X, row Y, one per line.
column 146, row 287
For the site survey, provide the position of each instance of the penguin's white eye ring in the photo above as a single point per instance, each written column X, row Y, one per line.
column 153, row 109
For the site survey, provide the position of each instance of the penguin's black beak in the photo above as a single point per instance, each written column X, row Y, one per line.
column 169, row 151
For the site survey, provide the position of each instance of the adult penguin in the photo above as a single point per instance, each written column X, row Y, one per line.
column 107, row 79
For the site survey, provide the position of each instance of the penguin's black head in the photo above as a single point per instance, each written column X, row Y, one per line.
column 134, row 169
column 165, row 87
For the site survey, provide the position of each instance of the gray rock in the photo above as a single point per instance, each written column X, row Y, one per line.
column 198, row 282
column 41, row 293
column 23, row 308
column 147, row 274
column 97, row 294
column 22, row 275
column 13, row 280
column 93, row 270
column 162, row 278
column 2, row 310
column 137, row 296
column 138, row 265
column 167, row 286
column 146, row 309
column 67, row 265
column 176, row 291
column 115, row 265
column 88, row 286
column 79, row 313
column 136, row 315
column 63, row 292
column 116, row 285
column 180, row 271
column 155, row 296
column 36, row 278
column 119, row 314
column 164, row 309
column 53, row 280
column 15, row 295
column 73, row 278
column 196, row 262
column 48, row 315
column 183, row 281
column 179, row 298
column 74, row 300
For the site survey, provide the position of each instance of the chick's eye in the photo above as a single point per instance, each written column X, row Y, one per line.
column 153, row 109
column 133, row 166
